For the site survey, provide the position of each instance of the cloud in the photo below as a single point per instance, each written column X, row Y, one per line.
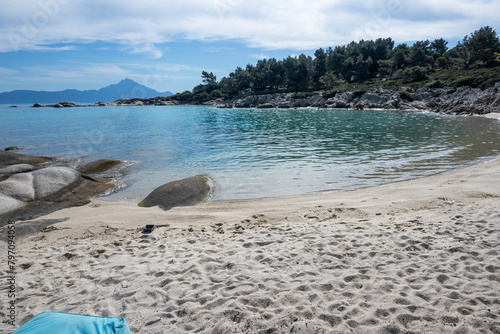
column 141, row 26
column 7, row 71
column 259, row 56
column 147, row 48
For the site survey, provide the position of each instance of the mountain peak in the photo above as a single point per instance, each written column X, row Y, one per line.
column 127, row 80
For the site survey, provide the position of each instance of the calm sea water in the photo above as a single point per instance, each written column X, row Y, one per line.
column 254, row 153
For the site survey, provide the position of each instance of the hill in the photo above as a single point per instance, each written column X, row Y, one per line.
column 125, row 89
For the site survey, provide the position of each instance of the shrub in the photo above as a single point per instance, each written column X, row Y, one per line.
column 465, row 81
column 202, row 97
column 406, row 95
column 435, row 84
column 216, row 94
column 415, row 74
column 185, row 96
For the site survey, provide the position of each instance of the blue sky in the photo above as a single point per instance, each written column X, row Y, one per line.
column 89, row 44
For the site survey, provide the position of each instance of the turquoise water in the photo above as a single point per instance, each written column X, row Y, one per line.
column 254, row 153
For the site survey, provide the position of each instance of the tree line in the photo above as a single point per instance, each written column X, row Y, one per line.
column 354, row 62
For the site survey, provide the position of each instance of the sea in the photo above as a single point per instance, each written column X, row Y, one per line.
column 253, row 153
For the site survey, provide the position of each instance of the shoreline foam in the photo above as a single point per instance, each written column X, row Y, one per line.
column 413, row 256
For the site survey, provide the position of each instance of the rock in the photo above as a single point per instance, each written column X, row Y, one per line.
column 340, row 104
column 15, row 169
column 13, row 148
column 183, row 192
column 67, row 104
column 98, row 166
column 13, row 107
column 58, row 105
column 100, row 104
column 373, row 98
column 48, row 181
column 347, row 97
column 26, row 193
column 37, row 105
column 10, row 158
column 19, row 187
column 8, row 204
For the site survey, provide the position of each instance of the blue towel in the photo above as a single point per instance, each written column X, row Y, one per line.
column 66, row 323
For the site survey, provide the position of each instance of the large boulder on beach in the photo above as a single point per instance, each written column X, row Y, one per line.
column 14, row 169
column 189, row 191
column 9, row 204
column 27, row 190
column 19, row 187
column 48, row 181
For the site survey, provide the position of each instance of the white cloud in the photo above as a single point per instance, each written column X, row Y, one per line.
column 259, row 56
column 7, row 71
column 295, row 24
column 147, row 48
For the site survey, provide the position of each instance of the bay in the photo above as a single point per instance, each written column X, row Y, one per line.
column 254, row 153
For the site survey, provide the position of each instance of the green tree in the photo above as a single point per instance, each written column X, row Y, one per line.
column 399, row 56
column 420, row 54
column 439, row 46
column 208, row 78
column 319, row 64
column 480, row 46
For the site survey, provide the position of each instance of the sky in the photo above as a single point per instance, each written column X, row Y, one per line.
column 88, row 44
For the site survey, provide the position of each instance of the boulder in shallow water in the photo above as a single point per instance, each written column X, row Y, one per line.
column 189, row 191
column 10, row 158
column 99, row 166
column 12, row 148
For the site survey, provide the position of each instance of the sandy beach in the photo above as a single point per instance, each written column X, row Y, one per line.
column 420, row 256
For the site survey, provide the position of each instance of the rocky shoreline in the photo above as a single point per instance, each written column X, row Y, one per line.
column 160, row 101
column 449, row 100
column 32, row 186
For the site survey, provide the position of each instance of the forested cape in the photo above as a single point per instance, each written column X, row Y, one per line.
column 339, row 68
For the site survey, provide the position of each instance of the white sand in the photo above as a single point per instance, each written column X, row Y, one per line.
column 421, row 256
column 493, row 115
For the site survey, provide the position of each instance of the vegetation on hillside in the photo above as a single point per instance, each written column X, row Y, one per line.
column 361, row 65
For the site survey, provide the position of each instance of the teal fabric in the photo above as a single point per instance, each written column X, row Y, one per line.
column 66, row 323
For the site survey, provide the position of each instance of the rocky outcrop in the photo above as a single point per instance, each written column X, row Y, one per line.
column 140, row 102
column 463, row 100
column 29, row 190
column 64, row 104
column 98, row 166
column 10, row 158
column 189, row 191
column 13, row 148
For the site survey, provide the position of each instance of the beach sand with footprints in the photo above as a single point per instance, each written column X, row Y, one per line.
column 420, row 256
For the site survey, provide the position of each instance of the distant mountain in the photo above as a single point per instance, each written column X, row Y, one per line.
column 125, row 89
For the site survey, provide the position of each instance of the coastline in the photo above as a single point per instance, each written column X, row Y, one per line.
column 458, row 185
column 419, row 255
